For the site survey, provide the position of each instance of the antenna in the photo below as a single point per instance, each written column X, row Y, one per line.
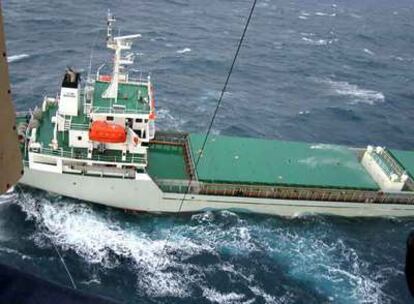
column 118, row 44
column 109, row 21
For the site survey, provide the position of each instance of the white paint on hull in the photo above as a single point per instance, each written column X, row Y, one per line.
column 142, row 194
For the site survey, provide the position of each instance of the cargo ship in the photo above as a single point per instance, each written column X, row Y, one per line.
column 96, row 141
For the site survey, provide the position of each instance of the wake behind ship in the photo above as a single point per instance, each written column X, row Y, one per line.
column 97, row 141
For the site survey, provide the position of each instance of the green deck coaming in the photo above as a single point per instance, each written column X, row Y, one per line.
column 238, row 160
column 166, row 162
column 405, row 159
column 128, row 96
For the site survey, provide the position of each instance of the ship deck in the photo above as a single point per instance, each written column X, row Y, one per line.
column 405, row 159
column 130, row 98
column 240, row 161
column 236, row 160
column 167, row 162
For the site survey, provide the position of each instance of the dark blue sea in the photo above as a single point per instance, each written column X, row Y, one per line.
column 317, row 71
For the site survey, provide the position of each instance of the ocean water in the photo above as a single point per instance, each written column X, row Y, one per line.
column 317, row 71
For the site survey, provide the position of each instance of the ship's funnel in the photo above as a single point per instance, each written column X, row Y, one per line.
column 69, row 93
column 71, row 79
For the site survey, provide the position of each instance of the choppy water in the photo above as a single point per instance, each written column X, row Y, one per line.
column 318, row 70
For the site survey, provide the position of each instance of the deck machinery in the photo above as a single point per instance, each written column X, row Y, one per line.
column 96, row 141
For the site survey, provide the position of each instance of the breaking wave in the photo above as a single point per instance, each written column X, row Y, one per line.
column 319, row 41
column 369, row 52
column 168, row 121
column 183, row 51
column 321, row 14
column 16, row 58
column 217, row 297
column 354, row 92
column 172, row 268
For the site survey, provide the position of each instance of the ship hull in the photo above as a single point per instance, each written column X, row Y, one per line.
column 142, row 194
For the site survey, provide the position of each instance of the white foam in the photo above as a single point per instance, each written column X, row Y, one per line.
column 369, row 52
column 399, row 58
column 169, row 120
column 222, row 298
column 99, row 241
column 15, row 252
column 319, row 41
column 330, row 266
column 357, row 94
column 303, row 17
column 307, row 34
column 16, row 58
column 325, row 14
column 269, row 299
column 161, row 267
column 183, row 51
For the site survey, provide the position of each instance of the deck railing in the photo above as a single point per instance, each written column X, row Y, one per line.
column 287, row 193
column 76, row 154
column 111, row 110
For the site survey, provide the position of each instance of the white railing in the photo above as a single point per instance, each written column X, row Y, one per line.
column 111, row 110
column 130, row 159
column 79, row 126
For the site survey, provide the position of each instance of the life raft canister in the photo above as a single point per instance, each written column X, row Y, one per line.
column 105, row 78
column 105, row 132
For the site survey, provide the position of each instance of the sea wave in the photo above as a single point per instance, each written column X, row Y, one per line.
column 354, row 92
column 77, row 227
column 319, row 41
column 159, row 261
column 170, row 267
column 184, row 50
column 224, row 298
column 168, row 121
column 321, row 14
column 16, row 58
column 340, row 269
column 369, row 52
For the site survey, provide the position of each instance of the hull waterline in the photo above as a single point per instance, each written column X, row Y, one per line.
column 143, row 194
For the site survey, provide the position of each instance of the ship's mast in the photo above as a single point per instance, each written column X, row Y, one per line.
column 118, row 44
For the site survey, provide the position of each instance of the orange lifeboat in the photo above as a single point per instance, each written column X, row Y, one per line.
column 105, row 132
